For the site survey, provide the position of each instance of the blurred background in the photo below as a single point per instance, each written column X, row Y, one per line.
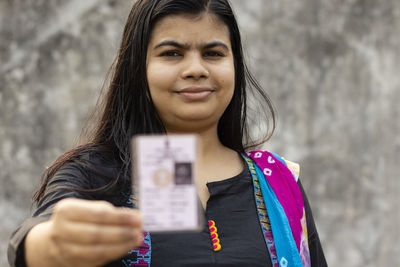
column 331, row 67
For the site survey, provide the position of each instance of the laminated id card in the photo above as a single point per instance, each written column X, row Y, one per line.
column 164, row 168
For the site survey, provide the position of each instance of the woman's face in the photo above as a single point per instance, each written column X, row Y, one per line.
column 190, row 71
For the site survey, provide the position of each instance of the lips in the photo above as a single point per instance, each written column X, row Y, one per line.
column 195, row 93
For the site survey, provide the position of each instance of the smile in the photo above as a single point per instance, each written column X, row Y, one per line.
column 195, row 93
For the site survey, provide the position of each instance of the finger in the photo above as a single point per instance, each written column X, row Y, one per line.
column 95, row 255
column 100, row 212
column 88, row 233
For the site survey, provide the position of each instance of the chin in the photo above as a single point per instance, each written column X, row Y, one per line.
column 194, row 124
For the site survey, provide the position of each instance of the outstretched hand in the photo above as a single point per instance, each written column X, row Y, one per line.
column 84, row 233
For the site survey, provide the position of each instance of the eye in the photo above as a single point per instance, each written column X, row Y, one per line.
column 213, row 54
column 171, row 54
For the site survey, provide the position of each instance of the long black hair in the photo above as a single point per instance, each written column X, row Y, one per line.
column 127, row 108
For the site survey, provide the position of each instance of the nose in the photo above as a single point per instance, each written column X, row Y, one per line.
column 194, row 67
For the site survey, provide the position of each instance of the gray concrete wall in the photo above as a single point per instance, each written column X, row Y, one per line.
column 330, row 66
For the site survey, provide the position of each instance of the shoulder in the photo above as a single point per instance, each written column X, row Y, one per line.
column 88, row 175
column 293, row 167
column 81, row 170
column 87, row 166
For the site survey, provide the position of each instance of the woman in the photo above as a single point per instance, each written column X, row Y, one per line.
column 180, row 69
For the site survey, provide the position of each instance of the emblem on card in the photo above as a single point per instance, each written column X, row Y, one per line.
column 162, row 177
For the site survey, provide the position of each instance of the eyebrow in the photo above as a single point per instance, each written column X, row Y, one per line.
column 186, row 46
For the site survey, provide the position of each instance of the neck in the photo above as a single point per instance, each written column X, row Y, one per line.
column 216, row 161
column 210, row 145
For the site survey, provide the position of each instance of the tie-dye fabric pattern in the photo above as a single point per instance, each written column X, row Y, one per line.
column 282, row 189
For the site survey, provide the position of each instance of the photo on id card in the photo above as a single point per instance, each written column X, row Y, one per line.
column 164, row 169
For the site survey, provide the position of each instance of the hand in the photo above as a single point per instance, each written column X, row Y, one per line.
column 85, row 233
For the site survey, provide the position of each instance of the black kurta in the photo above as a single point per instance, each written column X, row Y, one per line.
column 231, row 205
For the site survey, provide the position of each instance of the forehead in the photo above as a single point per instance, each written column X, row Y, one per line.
column 190, row 29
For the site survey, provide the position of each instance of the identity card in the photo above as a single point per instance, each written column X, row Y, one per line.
column 164, row 168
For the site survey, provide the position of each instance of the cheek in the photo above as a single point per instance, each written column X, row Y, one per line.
column 160, row 79
column 152, row 76
column 229, row 84
column 226, row 79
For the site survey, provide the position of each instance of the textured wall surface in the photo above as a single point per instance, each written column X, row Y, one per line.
column 331, row 68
